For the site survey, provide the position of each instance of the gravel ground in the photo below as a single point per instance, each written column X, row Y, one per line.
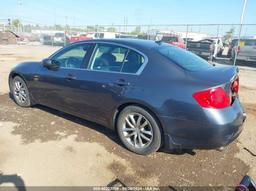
column 49, row 148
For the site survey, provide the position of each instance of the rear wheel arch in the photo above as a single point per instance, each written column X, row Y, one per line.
column 156, row 139
column 124, row 105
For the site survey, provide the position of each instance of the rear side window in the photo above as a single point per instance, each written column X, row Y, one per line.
column 108, row 58
column 113, row 58
column 183, row 58
column 133, row 62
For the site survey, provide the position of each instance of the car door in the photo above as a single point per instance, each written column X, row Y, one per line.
column 95, row 92
column 53, row 84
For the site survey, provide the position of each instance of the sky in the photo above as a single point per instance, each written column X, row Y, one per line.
column 134, row 12
column 107, row 12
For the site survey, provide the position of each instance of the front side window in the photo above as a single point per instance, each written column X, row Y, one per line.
column 72, row 58
column 108, row 58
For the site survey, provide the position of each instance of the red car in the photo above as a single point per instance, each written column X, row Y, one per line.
column 174, row 40
column 79, row 38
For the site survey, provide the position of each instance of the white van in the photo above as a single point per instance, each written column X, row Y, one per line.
column 101, row 35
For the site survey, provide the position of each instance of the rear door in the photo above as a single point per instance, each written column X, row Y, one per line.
column 113, row 70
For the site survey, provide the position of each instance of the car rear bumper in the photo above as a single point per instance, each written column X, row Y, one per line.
column 224, row 127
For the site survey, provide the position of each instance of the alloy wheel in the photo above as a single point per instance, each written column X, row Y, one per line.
column 19, row 91
column 137, row 130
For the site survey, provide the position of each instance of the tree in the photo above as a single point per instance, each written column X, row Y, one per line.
column 58, row 27
column 27, row 28
column 90, row 28
column 16, row 23
column 111, row 29
column 137, row 30
column 229, row 35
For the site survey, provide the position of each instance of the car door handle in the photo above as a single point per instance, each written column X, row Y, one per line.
column 121, row 82
column 70, row 77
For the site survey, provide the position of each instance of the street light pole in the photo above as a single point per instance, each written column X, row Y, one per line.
column 240, row 30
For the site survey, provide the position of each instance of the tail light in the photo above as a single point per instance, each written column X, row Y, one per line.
column 235, row 85
column 215, row 98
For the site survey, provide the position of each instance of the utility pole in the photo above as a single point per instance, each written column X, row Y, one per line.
column 240, row 30
column 218, row 31
column 19, row 14
column 125, row 24
column 66, row 23
column 186, row 37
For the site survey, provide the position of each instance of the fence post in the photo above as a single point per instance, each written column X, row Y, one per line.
column 148, row 36
column 186, row 37
column 240, row 30
column 218, row 31
column 52, row 39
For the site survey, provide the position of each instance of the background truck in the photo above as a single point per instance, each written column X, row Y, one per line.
column 206, row 48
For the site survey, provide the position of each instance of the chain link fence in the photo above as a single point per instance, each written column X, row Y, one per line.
column 136, row 31
column 59, row 35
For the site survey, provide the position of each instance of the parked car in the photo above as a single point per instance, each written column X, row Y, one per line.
column 126, row 36
column 187, row 39
column 206, row 48
column 246, row 51
column 102, row 35
column 78, row 38
column 60, row 39
column 153, row 94
column 46, row 40
column 174, row 40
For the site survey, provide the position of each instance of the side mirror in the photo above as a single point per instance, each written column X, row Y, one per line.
column 50, row 64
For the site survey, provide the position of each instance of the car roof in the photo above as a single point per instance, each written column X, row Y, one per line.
column 134, row 43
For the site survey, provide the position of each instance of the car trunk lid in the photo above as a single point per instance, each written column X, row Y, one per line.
column 225, row 77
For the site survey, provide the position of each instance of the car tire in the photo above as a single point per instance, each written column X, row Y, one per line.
column 20, row 92
column 139, row 130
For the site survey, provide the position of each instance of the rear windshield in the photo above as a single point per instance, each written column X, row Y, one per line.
column 183, row 58
column 169, row 39
column 59, row 34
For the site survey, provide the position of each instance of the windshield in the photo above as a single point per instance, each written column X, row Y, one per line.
column 183, row 58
